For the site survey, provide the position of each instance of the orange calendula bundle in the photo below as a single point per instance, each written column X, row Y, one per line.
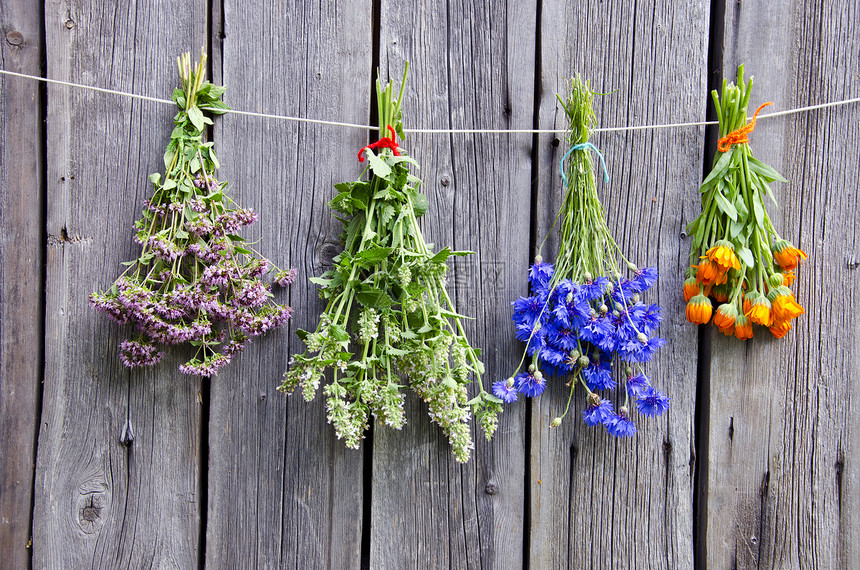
column 737, row 258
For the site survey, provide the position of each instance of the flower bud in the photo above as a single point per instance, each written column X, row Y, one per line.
column 538, row 259
column 642, row 337
column 623, row 411
column 593, row 399
column 574, row 354
column 632, row 267
column 532, row 368
column 588, row 277
column 538, row 375
column 584, row 361
column 555, row 423
column 603, row 309
column 776, row 279
column 569, row 297
column 635, row 298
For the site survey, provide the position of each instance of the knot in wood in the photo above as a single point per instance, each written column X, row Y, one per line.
column 327, row 252
column 14, row 38
column 491, row 489
column 90, row 507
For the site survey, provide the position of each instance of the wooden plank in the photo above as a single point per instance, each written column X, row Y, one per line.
column 98, row 503
column 472, row 65
column 21, row 259
column 283, row 491
column 597, row 502
column 784, row 425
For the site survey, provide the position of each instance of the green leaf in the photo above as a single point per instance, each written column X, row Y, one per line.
column 445, row 253
column 375, row 298
column 373, row 254
column 397, row 351
column 387, row 213
column 179, row 97
column 169, row 154
column 338, row 333
column 320, row 281
column 242, row 250
column 196, row 117
column 181, row 234
column 724, row 205
column 129, row 263
column 302, row 334
column 155, row 178
column 419, row 204
column 758, row 213
column 490, row 398
column 765, row 171
column 719, row 170
column 746, row 256
column 169, row 184
column 379, row 167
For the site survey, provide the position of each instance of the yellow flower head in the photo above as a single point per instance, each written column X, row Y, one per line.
column 699, row 310
column 780, row 329
column 711, row 273
column 785, row 307
column 760, row 313
column 723, row 254
column 786, row 255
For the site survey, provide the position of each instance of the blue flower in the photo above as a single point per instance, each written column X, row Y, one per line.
column 598, row 414
column 598, row 376
column 505, row 390
column 620, row 426
column 527, row 310
column 530, row 384
column 539, row 275
column 652, row 403
column 638, row 385
column 645, row 279
column 593, row 290
column 562, row 336
column 596, row 330
column 635, row 351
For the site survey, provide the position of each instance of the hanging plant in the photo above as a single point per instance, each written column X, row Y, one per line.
column 195, row 281
column 585, row 320
column 389, row 321
column 737, row 257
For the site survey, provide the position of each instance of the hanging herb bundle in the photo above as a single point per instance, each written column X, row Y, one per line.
column 195, row 281
column 585, row 320
column 734, row 242
column 389, row 319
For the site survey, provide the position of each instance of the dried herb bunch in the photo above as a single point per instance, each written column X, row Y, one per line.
column 585, row 319
column 737, row 257
column 389, row 320
column 195, row 281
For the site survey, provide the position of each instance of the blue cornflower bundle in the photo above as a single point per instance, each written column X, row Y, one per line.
column 585, row 320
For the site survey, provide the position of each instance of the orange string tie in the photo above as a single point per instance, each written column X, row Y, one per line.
column 384, row 142
column 740, row 135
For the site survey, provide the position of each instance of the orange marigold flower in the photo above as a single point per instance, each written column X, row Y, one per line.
column 785, row 307
column 691, row 288
column 723, row 254
column 743, row 328
column 788, row 277
column 748, row 300
column 724, row 318
column 710, row 273
column 786, row 255
column 699, row 310
column 780, row 329
column 720, row 293
column 760, row 313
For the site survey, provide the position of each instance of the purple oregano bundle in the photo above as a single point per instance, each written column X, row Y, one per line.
column 585, row 319
column 195, row 280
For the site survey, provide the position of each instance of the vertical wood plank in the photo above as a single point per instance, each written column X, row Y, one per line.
column 471, row 65
column 99, row 504
column 283, row 491
column 784, row 425
column 21, row 260
column 597, row 502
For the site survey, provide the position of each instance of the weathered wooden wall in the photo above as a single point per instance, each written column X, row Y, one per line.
column 756, row 464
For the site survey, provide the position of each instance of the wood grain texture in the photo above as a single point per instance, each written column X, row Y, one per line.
column 598, row 502
column 283, row 491
column 98, row 503
column 782, row 480
column 471, row 65
column 21, row 261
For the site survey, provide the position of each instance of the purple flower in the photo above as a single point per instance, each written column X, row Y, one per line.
column 527, row 310
column 505, row 390
column 645, row 279
column 598, row 376
column 135, row 354
column 286, row 277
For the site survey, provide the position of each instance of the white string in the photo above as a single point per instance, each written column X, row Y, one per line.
column 430, row 131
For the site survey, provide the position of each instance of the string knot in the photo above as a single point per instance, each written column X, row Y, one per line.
column 384, row 142
column 583, row 146
column 740, row 135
